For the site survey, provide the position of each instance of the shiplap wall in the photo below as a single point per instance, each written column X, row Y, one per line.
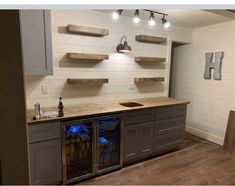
column 120, row 69
column 211, row 100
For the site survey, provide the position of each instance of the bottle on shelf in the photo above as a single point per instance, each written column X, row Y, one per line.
column 60, row 108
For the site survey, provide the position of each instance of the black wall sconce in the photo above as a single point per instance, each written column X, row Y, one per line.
column 123, row 47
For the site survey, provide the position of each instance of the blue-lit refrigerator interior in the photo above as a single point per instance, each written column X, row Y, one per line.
column 91, row 147
column 109, row 142
column 78, row 149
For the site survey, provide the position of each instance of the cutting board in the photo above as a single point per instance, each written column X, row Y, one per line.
column 229, row 141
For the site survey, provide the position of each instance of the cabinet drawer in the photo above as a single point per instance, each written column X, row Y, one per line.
column 42, row 132
column 171, row 111
column 169, row 125
column 138, row 116
column 168, row 142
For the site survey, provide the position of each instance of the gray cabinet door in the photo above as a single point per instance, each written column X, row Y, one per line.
column 36, row 42
column 146, row 131
column 130, row 143
column 138, row 141
column 45, row 162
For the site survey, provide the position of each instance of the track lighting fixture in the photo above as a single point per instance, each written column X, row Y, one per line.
column 151, row 21
column 115, row 14
column 136, row 18
column 123, row 47
column 166, row 24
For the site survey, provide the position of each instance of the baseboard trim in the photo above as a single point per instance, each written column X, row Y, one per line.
column 202, row 134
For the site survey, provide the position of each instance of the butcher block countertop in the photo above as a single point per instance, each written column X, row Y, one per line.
column 107, row 107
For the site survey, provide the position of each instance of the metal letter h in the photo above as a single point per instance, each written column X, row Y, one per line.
column 216, row 65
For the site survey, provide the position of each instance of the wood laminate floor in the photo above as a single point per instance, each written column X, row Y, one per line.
column 198, row 162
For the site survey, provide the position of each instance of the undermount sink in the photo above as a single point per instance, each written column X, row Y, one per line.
column 131, row 104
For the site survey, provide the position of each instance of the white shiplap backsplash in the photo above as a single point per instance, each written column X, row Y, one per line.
column 211, row 100
column 120, row 69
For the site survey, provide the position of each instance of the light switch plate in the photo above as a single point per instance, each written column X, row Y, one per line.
column 44, row 89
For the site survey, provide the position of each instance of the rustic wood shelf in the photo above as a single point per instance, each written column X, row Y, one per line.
column 87, row 57
column 150, row 39
column 150, row 59
column 148, row 79
column 89, row 31
column 88, row 81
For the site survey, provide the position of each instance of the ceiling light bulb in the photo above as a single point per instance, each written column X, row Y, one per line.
column 152, row 21
column 167, row 25
column 115, row 16
column 136, row 18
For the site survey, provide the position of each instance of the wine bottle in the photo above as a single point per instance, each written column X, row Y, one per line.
column 60, row 108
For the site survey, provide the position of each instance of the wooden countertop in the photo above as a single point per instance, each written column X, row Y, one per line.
column 108, row 107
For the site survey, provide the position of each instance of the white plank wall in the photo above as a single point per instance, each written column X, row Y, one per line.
column 211, row 100
column 120, row 69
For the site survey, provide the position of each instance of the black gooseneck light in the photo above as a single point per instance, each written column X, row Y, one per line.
column 123, row 47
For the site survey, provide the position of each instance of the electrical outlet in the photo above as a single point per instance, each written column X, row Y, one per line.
column 44, row 89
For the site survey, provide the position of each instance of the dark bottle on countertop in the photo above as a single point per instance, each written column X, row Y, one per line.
column 60, row 108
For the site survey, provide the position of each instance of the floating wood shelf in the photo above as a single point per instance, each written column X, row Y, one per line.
column 150, row 59
column 87, row 57
column 150, row 39
column 89, row 31
column 88, row 81
column 148, row 79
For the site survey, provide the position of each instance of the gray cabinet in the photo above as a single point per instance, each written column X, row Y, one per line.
column 138, row 141
column 167, row 142
column 169, row 125
column 138, row 116
column 36, row 42
column 152, row 131
column 169, row 128
column 43, row 132
column 45, row 153
column 146, row 131
column 131, row 142
column 45, row 162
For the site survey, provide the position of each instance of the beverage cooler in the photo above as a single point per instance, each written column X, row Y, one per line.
column 91, row 147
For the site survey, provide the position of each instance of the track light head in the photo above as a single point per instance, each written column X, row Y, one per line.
column 151, row 21
column 136, row 18
column 166, row 24
column 115, row 14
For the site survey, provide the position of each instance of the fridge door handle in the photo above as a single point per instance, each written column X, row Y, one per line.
column 97, row 147
column 94, row 161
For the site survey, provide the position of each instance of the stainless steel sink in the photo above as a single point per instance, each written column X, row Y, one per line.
column 131, row 104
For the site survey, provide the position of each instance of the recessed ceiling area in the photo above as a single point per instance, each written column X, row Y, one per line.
column 189, row 18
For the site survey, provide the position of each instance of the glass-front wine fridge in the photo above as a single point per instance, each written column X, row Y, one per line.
column 91, row 147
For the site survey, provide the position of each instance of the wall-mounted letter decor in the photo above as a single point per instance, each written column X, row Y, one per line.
column 216, row 65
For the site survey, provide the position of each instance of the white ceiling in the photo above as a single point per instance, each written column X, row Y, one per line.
column 189, row 18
